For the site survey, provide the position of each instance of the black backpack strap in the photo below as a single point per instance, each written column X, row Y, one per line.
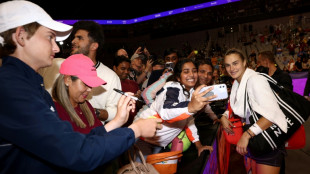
column 253, row 119
column 269, row 78
column 272, row 82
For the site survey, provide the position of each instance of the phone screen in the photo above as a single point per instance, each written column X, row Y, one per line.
column 169, row 66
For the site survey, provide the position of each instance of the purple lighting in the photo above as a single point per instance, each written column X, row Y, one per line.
column 211, row 166
column 299, row 82
column 157, row 15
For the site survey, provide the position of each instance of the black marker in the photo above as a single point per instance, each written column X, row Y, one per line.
column 123, row 93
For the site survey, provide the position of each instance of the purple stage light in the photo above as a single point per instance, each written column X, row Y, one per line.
column 155, row 16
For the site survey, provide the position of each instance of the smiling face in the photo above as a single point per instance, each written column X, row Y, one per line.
column 205, row 74
column 235, row 66
column 188, row 76
column 77, row 90
column 122, row 70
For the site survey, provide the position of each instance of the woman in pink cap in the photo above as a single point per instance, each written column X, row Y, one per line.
column 77, row 77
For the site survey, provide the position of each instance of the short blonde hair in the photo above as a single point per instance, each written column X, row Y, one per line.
column 9, row 46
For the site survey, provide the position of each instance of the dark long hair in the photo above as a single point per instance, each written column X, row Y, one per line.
column 177, row 70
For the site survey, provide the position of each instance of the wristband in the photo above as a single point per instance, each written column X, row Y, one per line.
column 256, row 129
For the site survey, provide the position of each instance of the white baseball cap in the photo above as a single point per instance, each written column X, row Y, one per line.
column 18, row 13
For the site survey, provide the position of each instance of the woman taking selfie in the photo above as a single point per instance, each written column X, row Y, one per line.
column 175, row 104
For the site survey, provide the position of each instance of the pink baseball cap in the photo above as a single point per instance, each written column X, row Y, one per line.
column 82, row 67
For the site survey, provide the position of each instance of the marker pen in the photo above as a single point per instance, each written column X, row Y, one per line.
column 123, row 93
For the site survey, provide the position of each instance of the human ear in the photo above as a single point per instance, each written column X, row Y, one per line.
column 94, row 46
column 20, row 36
column 67, row 80
column 245, row 63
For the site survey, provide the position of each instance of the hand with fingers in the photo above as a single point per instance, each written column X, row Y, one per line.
column 202, row 148
column 146, row 127
column 227, row 125
column 124, row 106
column 146, row 52
column 138, row 50
column 243, row 144
column 198, row 101
column 149, row 65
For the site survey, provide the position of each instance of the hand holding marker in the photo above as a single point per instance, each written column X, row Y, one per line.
column 123, row 93
column 135, row 98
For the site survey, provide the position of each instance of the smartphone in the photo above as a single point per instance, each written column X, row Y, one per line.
column 169, row 66
column 219, row 89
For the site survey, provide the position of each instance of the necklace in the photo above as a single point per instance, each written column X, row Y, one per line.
column 78, row 110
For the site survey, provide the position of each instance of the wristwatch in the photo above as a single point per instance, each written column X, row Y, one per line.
column 97, row 112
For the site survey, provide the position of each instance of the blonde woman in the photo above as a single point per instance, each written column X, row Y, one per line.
column 69, row 94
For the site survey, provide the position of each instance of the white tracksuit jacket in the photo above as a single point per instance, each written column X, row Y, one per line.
column 171, row 105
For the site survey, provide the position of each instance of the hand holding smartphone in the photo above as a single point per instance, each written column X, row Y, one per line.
column 169, row 66
column 219, row 89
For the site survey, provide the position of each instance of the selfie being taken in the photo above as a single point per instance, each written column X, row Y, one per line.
column 199, row 87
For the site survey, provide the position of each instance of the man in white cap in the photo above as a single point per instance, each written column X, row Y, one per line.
column 32, row 137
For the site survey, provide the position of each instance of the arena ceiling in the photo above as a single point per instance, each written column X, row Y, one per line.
column 114, row 9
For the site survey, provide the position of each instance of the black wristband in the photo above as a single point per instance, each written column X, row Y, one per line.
column 247, row 131
column 219, row 116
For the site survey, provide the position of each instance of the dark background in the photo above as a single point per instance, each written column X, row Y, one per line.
column 130, row 36
column 114, row 9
